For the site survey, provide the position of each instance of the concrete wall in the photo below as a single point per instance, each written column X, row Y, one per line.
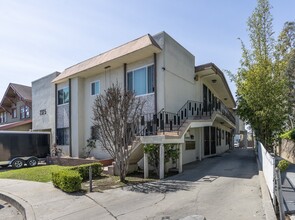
column 43, row 96
column 77, row 120
column 286, row 150
column 176, row 73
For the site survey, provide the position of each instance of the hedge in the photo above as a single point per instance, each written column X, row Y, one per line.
column 67, row 180
column 84, row 170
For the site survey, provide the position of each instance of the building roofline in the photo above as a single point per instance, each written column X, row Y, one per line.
column 219, row 72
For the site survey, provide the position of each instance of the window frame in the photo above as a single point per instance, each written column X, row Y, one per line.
column 146, row 79
column 96, row 81
column 13, row 110
column 26, row 112
column 64, row 103
column 62, row 141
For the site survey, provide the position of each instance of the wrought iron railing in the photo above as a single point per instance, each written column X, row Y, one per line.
column 164, row 121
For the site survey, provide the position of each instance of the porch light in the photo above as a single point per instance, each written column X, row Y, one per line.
column 187, row 134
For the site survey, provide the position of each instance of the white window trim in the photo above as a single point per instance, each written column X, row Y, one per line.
column 146, row 78
column 57, row 96
column 91, row 87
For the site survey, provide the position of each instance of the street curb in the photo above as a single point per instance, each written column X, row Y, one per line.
column 266, row 200
column 23, row 206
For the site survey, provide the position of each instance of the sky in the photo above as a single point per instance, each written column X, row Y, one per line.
column 40, row 37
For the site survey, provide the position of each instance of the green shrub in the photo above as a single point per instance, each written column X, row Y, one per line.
column 84, row 170
column 283, row 165
column 290, row 135
column 67, row 180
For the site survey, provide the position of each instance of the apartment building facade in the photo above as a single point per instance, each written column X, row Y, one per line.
column 186, row 104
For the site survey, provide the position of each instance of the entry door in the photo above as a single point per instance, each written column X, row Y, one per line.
column 206, row 141
column 213, row 140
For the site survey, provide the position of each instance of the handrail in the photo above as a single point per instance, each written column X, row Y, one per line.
column 165, row 121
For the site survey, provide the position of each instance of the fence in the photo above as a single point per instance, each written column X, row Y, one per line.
column 267, row 162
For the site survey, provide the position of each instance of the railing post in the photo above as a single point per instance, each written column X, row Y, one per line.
column 279, row 193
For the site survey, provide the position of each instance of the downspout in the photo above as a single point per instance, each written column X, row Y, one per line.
column 125, row 77
column 55, row 118
column 70, row 116
column 155, row 83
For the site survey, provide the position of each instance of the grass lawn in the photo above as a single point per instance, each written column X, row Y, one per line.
column 43, row 174
column 38, row 174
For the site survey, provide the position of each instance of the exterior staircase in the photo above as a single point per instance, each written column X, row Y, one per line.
column 175, row 125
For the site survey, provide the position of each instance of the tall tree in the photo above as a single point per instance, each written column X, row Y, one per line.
column 262, row 85
column 116, row 116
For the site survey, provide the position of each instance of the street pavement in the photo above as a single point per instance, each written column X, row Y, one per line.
column 221, row 187
column 9, row 212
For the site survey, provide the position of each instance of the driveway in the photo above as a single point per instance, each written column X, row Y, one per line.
column 222, row 187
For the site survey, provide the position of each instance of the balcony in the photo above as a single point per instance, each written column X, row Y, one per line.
column 164, row 121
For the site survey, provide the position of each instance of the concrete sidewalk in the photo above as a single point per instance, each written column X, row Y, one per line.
column 44, row 201
column 222, row 187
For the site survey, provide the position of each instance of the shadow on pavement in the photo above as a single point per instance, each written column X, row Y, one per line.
column 161, row 186
column 239, row 163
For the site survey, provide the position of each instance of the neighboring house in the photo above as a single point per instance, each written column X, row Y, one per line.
column 188, row 105
column 15, row 108
column 43, row 114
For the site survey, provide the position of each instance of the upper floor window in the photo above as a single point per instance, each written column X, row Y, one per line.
column 3, row 118
column 14, row 113
column 95, row 88
column 63, row 96
column 24, row 112
column 141, row 81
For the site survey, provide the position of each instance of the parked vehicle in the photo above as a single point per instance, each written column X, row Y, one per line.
column 18, row 148
column 236, row 144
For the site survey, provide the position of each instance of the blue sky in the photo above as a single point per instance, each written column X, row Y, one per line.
column 40, row 37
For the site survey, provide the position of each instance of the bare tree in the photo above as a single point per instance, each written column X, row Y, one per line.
column 116, row 118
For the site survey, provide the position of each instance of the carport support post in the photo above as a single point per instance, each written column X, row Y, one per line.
column 145, row 165
column 162, row 163
column 180, row 158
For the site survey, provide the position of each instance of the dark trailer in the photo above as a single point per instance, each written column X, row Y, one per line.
column 18, row 148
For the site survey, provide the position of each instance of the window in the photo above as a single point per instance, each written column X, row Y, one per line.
column 63, row 136
column 63, row 96
column 95, row 88
column 2, row 117
column 141, row 81
column 14, row 113
column 24, row 112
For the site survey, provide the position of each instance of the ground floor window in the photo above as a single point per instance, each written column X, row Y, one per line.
column 63, row 136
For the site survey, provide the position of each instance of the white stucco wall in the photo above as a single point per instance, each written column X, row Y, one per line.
column 176, row 73
column 194, row 154
column 43, row 98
